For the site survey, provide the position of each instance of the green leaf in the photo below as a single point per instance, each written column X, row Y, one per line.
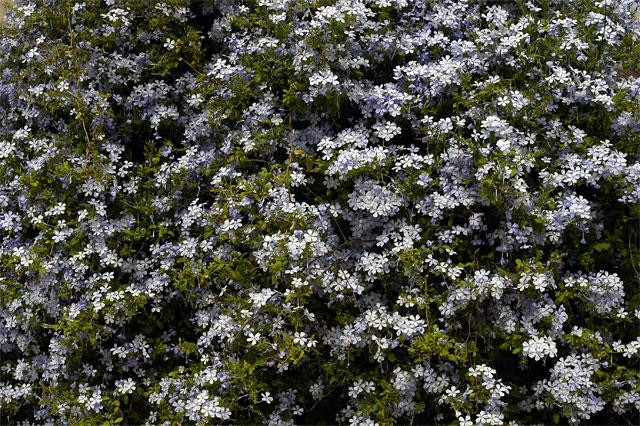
column 601, row 246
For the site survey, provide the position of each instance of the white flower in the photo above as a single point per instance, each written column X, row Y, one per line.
column 360, row 386
column 252, row 338
column 300, row 338
column 374, row 198
column 539, row 347
column 169, row 44
column 387, row 131
column 323, row 78
column 266, row 397
column 465, row 421
column 125, row 386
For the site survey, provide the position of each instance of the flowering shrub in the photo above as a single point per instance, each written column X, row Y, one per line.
column 317, row 211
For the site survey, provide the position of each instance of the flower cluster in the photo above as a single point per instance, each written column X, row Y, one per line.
column 362, row 212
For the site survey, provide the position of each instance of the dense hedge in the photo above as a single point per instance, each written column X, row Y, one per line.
column 317, row 211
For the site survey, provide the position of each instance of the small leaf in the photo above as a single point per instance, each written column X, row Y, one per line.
column 603, row 246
